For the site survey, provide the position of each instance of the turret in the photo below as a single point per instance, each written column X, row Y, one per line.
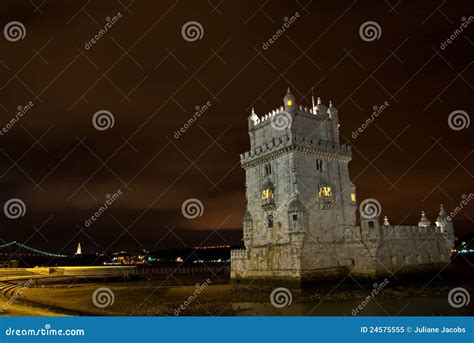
column 424, row 222
column 320, row 108
column 333, row 113
column 333, row 116
column 441, row 220
column 253, row 117
column 295, row 214
column 289, row 101
column 369, row 221
column 248, row 228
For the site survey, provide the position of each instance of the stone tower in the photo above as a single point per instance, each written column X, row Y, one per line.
column 300, row 221
column 300, row 199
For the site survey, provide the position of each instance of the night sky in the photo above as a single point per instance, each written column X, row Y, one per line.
column 151, row 79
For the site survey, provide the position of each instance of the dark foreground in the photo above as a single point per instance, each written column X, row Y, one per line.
column 206, row 297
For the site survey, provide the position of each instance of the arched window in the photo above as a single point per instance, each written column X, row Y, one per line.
column 325, row 191
column 326, row 196
column 270, row 221
column 268, row 194
column 319, row 165
column 267, row 190
column 268, row 169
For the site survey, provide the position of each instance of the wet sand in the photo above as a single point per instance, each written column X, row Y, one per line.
column 157, row 298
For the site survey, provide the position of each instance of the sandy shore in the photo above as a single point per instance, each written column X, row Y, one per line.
column 154, row 298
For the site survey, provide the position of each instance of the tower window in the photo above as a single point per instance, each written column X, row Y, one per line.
column 268, row 169
column 267, row 194
column 325, row 191
column 353, row 197
column 371, row 224
column 270, row 221
column 319, row 165
column 295, row 217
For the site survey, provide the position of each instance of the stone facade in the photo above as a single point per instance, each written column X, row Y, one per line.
column 300, row 221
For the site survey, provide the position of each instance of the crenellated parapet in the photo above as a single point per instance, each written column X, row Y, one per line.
column 237, row 254
column 407, row 231
column 318, row 111
column 277, row 146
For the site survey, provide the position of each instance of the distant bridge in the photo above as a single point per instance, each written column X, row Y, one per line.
column 20, row 245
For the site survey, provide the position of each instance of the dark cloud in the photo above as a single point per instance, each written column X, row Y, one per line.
column 151, row 80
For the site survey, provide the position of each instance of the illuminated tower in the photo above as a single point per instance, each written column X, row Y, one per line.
column 300, row 221
column 79, row 250
column 299, row 195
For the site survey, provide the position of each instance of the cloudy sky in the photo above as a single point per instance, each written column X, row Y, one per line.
column 151, row 75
